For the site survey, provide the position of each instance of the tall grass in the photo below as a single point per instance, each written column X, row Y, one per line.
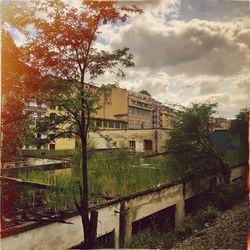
column 110, row 176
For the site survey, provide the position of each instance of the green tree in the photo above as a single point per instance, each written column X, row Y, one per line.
column 62, row 45
column 144, row 92
column 190, row 146
column 240, row 126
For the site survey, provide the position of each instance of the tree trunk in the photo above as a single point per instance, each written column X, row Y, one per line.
column 89, row 224
column 84, row 194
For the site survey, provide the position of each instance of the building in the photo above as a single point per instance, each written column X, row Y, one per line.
column 140, row 111
column 59, row 143
column 220, row 123
column 37, row 111
column 139, row 140
column 113, row 112
column 140, row 117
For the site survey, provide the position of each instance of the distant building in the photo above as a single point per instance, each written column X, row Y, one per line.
column 37, row 111
column 220, row 123
column 140, row 110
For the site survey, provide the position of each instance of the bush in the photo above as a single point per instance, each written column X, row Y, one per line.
column 228, row 195
column 205, row 215
column 196, row 221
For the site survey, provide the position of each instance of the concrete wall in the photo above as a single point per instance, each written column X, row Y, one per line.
column 117, row 215
column 121, row 138
column 63, row 236
column 65, row 143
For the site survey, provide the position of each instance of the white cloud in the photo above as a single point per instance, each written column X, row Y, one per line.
column 193, row 48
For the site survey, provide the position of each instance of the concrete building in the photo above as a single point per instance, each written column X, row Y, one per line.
column 59, row 143
column 139, row 140
column 140, row 110
column 37, row 111
column 113, row 112
column 131, row 119
column 127, row 119
column 220, row 123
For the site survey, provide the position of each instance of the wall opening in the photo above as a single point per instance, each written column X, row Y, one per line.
column 103, row 241
column 163, row 221
column 197, row 202
column 148, row 145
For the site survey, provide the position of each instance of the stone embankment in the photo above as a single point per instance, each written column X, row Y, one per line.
column 228, row 231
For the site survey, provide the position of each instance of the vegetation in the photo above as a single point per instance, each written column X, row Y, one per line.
column 241, row 126
column 19, row 84
column 62, row 47
column 108, row 178
column 211, row 204
column 190, row 146
column 144, row 92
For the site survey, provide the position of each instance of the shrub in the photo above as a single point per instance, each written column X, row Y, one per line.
column 228, row 195
column 205, row 215
column 196, row 221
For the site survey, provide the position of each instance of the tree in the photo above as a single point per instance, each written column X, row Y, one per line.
column 19, row 84
column 144, row 92
column 62, row 46
column 241, row 126
column 190, row 146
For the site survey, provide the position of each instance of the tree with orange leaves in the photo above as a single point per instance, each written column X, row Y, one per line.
column 61, row 44
column 20, row 83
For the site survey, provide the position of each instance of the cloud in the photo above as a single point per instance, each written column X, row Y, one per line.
column 192, row 48
column 243, row 83
column 153, row 85
column 206, row 85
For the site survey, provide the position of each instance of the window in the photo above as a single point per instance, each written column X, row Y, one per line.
column 132, row 144
column 52, row 146
column 148, row 145
column 111, row 124
column 98, row 123
column 38, row 135
column 105, row 124
column 124, row 126
column 117, row 124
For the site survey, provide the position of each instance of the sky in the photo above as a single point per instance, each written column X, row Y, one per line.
column 186, row 51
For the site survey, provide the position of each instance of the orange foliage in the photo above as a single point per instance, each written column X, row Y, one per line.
column 19, row 84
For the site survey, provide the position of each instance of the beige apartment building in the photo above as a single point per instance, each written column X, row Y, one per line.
column 113, row 113
column 140, row 110
column 140, row 117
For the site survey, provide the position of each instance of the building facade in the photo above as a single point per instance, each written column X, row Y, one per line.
column 37, row 112
column 138, row 117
